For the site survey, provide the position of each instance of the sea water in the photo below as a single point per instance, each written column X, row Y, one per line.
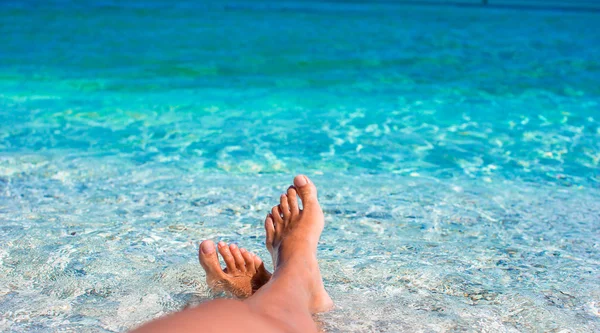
column 456, row 151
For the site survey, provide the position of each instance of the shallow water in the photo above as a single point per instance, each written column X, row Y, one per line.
column 456, row 150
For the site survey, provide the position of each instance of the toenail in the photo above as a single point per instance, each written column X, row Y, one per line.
column 233, row 246
column 222, row 244
column 302, row 180
column 207, row 248
column 243, row 250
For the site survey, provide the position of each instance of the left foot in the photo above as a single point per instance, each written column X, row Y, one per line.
column 292, row 238
column 245, row 272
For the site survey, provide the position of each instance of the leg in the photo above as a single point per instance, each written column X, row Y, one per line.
column 285, row 303
column 214, row 316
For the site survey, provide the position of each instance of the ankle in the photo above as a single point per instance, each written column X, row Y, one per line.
column 296, row 248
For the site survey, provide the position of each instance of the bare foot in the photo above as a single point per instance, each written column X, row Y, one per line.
column 245, row 272
column 293, row 235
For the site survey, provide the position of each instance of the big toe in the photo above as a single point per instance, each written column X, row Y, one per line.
column 306, row 190
column 208, row 259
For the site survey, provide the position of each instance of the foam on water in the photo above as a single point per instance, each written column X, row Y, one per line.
column 456, row 151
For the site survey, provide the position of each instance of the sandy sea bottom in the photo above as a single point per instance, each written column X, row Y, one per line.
column 99, row 244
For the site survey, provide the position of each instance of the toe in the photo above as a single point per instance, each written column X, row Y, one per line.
column 292, row 197
column 260, row 267
column 270, row 232
column 237, row 256
column 258, row 263
column 306, row 190
column 250, row 267
column 227, row 257
column 276, row 216
column 208, row 258
column 284, row 206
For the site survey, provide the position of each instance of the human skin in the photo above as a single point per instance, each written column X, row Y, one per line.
column 293, row 293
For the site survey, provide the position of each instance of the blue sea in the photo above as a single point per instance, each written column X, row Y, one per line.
column 456, row 149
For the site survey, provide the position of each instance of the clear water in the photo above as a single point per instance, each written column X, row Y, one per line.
column 456, row 150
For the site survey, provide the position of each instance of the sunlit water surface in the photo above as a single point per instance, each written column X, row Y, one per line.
column 456, row 150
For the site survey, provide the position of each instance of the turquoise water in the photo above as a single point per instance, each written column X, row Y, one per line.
column 456, row 150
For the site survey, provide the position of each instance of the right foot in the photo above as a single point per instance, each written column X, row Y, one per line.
column 245, row 272
column 293, row 235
